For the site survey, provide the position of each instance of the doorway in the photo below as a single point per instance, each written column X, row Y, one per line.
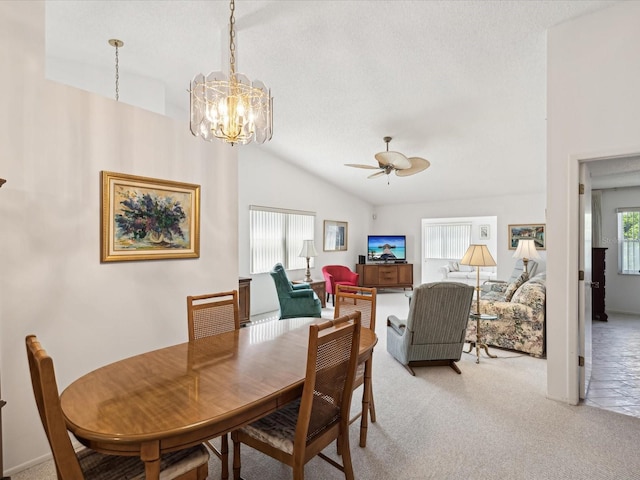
column 617, row 181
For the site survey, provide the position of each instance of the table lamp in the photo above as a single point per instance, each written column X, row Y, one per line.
column 526, row 251
column 308, row 251
column 478, row 256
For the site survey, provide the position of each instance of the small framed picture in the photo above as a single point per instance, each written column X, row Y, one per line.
column 528, row 231
column 485, row 232
column 335, row 236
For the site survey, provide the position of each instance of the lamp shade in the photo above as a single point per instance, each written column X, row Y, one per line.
column 526, row 249
column 308, row 249
column 478, row 256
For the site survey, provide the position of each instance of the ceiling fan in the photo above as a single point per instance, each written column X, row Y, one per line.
column 394, row 161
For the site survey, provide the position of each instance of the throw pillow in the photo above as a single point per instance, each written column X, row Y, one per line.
column 454, row 267
column 511, row 289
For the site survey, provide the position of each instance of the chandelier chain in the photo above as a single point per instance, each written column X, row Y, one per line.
column 117, row 75
column 232, row 39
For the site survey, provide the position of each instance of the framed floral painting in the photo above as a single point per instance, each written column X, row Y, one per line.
column 148, row 219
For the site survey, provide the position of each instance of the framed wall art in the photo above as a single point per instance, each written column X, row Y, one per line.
column 148, row 219
column 335, row 236
column 485, row 232
column 535, row 232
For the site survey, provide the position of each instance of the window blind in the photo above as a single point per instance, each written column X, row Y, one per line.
column 276, row 236
column 446, row 240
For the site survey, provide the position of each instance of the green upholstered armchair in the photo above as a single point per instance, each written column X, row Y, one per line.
column 297, row 300
column 434, row 332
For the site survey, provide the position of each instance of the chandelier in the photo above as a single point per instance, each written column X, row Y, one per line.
column 231, row 108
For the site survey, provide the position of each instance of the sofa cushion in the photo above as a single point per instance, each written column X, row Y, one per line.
column 511, row 289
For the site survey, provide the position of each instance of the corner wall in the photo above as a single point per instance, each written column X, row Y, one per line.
column 54, row 141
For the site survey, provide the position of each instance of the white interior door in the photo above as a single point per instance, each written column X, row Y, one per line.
column 584, row 286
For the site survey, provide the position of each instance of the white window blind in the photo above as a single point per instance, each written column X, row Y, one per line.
column 629, row 240
column 446, row 240
column 276, row 236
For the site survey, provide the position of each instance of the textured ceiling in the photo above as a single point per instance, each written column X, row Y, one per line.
column 461, row 83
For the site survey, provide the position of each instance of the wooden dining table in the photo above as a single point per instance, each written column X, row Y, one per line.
column 178, row 396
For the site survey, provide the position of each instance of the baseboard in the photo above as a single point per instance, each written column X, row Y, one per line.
column 31, row 463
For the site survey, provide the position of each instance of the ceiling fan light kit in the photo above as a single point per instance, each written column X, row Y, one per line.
column 390, row 161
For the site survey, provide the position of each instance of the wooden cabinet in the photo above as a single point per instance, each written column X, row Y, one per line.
column 244, row 300
column 598, row 268
column 386, row 275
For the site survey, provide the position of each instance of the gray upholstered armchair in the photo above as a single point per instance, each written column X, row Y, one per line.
column 434, row 332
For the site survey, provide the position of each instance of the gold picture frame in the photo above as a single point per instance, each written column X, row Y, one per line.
column 148, row 219
column 335, row 235
column 529, row 231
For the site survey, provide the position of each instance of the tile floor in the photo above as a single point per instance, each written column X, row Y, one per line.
column 615, row 377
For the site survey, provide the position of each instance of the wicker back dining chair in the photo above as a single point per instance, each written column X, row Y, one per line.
column 87, row 464
column 351, row 299
column 208, row 315
column 301, row 429
column 212, row 314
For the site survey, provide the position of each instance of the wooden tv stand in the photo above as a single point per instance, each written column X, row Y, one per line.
column 386, row 275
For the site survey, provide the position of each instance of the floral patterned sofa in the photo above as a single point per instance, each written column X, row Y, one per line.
column 520, row 307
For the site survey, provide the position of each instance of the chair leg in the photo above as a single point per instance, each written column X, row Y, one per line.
column 346, row 457
column 455, row 367
column 224, row 456
column 372, row 407
column 236, row 457
column 410, row 370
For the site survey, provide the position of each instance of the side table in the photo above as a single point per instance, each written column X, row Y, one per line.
column 479, row 343
column 319, row 287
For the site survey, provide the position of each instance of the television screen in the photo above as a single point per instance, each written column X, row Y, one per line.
column 386, row 248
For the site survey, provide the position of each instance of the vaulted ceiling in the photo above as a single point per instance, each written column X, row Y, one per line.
column 460, row 83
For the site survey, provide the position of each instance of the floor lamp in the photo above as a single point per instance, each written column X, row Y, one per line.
column 308, row 250
column 526, row 251
column 478, row 256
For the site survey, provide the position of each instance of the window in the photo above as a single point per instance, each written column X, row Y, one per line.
column 447, row 240
column 276, row 235
column 629, row 240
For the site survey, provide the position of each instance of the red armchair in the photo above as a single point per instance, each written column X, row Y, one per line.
column 338, row 275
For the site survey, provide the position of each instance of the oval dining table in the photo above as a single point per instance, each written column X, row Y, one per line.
column 178, row 396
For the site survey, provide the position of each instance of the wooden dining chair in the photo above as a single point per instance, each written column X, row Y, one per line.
column 212, row 314
column 187, row 464
column 351, row 299
column 208, row 315
column 301, row 429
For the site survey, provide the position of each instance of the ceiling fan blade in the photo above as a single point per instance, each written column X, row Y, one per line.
column 359, row 165
column 395, row 159
column 377, row 174
column 417, row 165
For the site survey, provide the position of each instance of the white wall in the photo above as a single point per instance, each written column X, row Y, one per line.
column 54, row 141
column 406, row 219
column 592, row 112
column 269, row 181
column 431, row 266
column 621, row 290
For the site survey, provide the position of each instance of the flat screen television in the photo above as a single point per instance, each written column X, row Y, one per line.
column 386, row 248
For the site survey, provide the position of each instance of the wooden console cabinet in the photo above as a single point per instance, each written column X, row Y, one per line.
column 386, row 275
column 244, row 300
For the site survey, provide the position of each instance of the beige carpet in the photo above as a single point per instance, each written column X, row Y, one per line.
column 493, row 421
